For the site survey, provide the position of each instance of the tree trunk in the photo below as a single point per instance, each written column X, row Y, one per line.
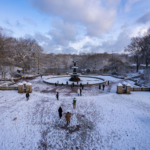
column 146, row 64
column 137, row 65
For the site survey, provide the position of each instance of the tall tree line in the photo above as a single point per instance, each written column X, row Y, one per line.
column 139, row 49
column 21, row 52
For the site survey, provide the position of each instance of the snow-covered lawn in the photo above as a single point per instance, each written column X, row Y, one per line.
column 101, row 120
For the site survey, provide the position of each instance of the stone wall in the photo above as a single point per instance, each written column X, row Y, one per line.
column 8, row 88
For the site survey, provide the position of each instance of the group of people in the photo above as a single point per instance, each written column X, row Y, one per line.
column 79, row 92
column 67, row 116
column 103, row 85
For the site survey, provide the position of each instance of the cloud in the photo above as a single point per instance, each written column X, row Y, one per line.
column 144, row 18
column 49, row 45
column 129, row 4
column 68, row 50
column 18, row 24
column 30, row 21
column 97, row 16
column 6, row 32
column 8, row 22
column 63, row 32
column 108, row 45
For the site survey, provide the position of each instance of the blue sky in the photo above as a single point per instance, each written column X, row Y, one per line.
column 76, row 26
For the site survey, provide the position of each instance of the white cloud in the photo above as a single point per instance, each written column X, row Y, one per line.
column 30, row 21
column 129, row 4
column 144, row 18
column 63, row 32
column 96, row 15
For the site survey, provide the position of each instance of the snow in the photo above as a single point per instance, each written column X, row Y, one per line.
column 28, row 84
column 101, row 120
column 119, row 84
column 20, row 83
column 128, row 84
column 124, row 83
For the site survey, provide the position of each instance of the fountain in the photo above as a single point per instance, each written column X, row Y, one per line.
column 74, row 78
column 74, row 75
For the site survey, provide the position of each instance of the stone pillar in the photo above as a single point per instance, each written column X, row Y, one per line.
column 29, row 87
column 128, row 88
column 124, row 84
column 119, row 88
column 6, row 86
column 24, row 86
column 20, row 88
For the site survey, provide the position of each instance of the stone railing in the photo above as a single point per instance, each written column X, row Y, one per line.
column 126, row 88
column 22, row 87
column 140, row 89
column 8, row 87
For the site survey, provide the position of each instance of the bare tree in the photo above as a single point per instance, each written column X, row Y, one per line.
column 135, row 49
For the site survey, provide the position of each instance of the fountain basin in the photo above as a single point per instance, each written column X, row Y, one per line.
column 83, row 79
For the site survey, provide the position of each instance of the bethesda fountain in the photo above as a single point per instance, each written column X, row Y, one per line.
column 74, row 75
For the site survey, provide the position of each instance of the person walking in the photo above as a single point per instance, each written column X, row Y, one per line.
column 78, row 92
column 68, row 116
column 103, row 87
column 67, row 83
column 72, row 86
column 57, row 96
column 74, row 103
column 80, row 84
column 55, row 84
column 87, row 83
column 60, row 112
column 99, row 86
column 62, row 85
column 82, row 87
column 108, row 82
column 27, row 96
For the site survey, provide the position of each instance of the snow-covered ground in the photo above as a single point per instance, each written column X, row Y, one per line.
column 101, row 120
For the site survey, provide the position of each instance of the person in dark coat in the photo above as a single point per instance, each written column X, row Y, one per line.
column 80, row 91
column 82, row 87
column 103, row 87
column 67, row 83
column 100, row 86
column 55, row 84
column 68, row 116
column 62, row 85
column 57, row 96
column 27, row 96
column 108, row 82
column 60, row 112
column 80, row 84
